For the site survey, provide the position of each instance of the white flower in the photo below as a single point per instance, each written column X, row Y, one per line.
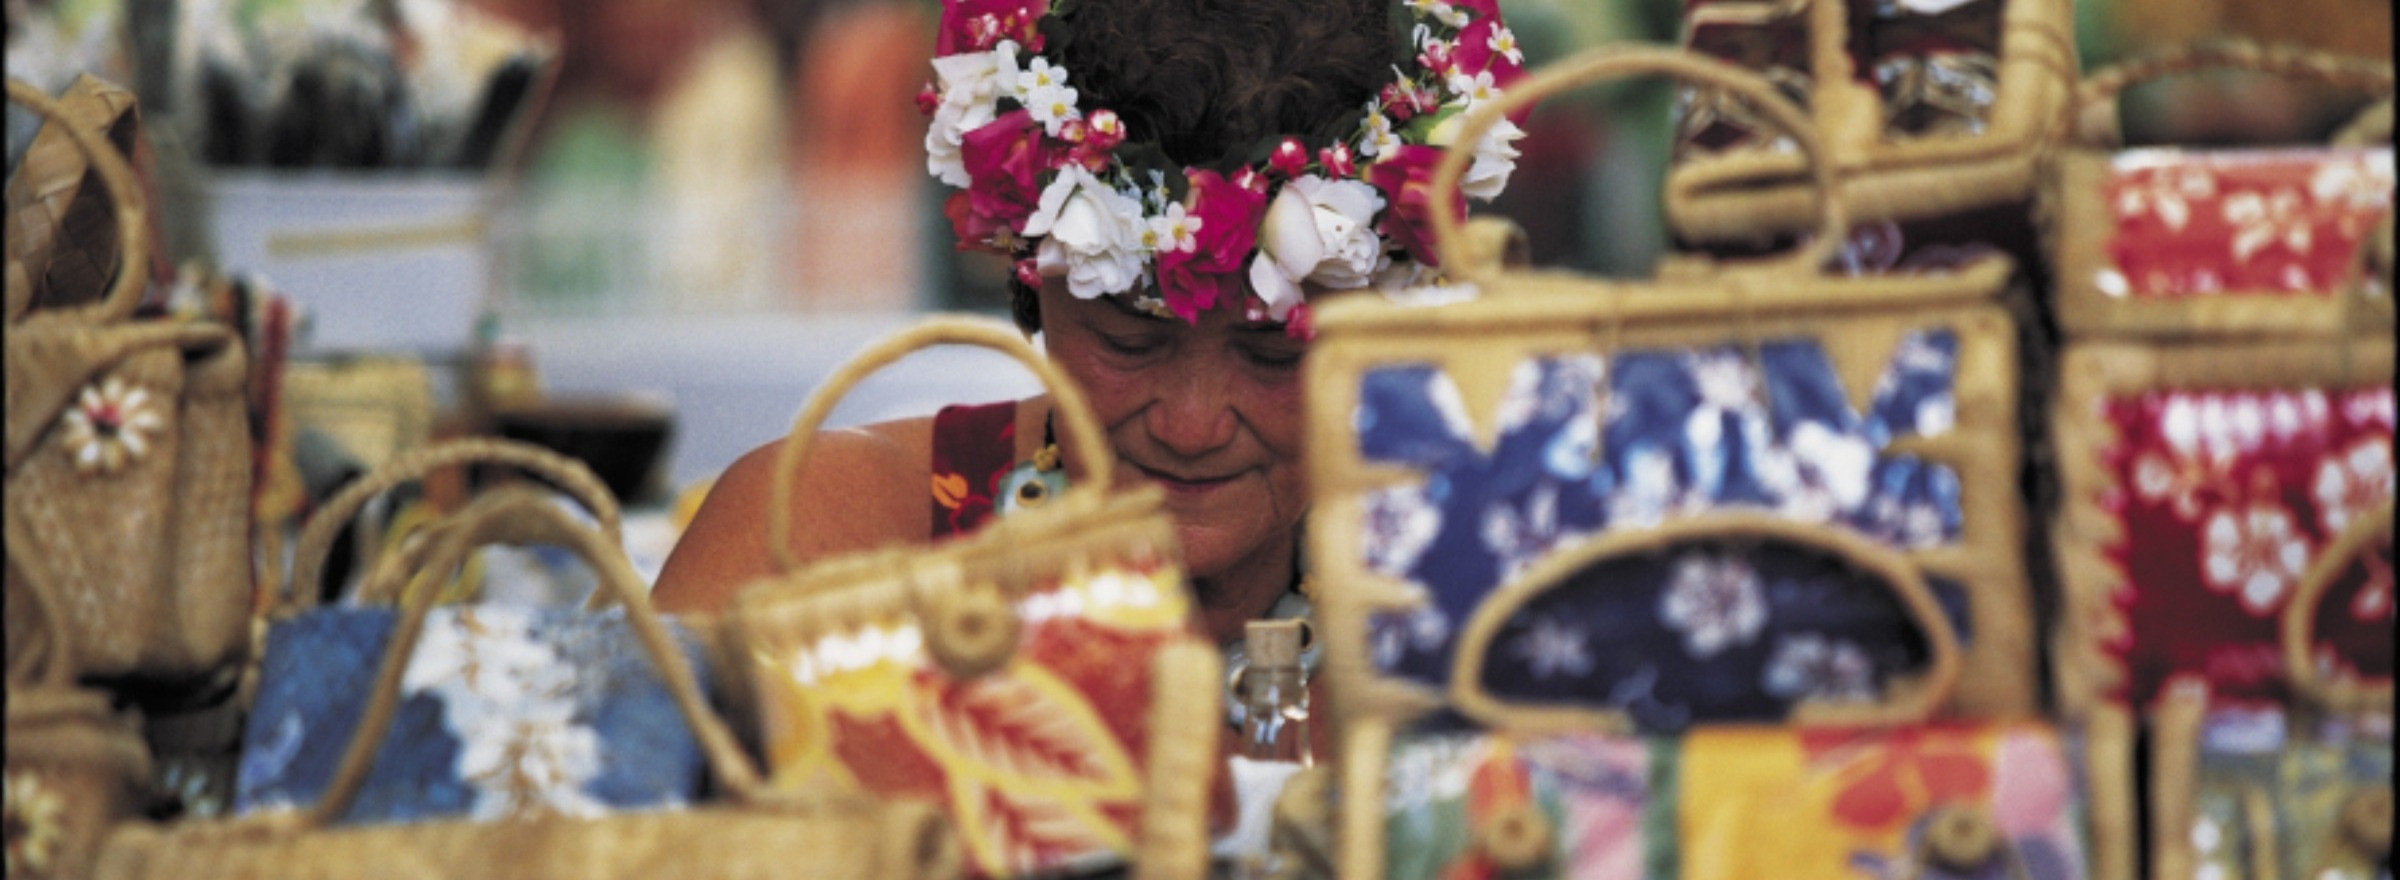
column 1504, row 42
column 37, row 824
column 1648, row 491
column 1093, row 234
column 1381, row 139
column 2257, row 554
column 1038, row 75
column 1473, row 90
column 1716, row 603
column 1172, row 230
column 971, row 84
column 1811, row 666
column 2359, row 183
column 110, row 426
column 2353, row 481
column 1550, row 648
column 535, row 763
column 2262, row 220
column 1321, row 231
column 1495, row 155
column 2169, row 194
column 1053, row 106
column 1819, row 474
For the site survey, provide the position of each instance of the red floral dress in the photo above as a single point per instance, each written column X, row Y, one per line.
column 974, row 446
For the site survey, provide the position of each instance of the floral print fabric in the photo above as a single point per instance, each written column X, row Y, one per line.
column 1737, row 802
column 1677, row 432
column 2207, row 223
column 1039, row 761
column 503, row 710
column 2227, row 498
column 2303, row 779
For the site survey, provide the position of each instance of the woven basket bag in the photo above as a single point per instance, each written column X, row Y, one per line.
column 129, row 466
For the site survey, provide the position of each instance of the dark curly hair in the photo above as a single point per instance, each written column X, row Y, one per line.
column 1209, row 80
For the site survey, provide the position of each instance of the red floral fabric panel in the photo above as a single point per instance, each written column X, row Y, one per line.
column 973, row 447
column 2198, row 223
column 2227, row 498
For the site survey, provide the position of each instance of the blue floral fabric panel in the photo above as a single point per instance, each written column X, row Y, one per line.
column 1709, row 631
column 1677, row 432
column 504, row 710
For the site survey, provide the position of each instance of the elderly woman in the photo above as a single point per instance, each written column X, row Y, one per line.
column 1176, row 181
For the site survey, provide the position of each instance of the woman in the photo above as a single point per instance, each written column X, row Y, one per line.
column 1176, row 179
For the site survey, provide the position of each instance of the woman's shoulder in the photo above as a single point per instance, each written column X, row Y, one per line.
column 855, row 489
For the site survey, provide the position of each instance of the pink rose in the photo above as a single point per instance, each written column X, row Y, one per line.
column 1211, row 272
column 1405, row 176
column 1005, row 160
column 973, row 25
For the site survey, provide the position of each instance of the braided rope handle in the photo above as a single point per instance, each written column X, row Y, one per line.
column 2099, row 90
column 1095, row 459
column 1614, row 62
column 316, row 537
column 125, row 294
column 2299, row 620
column 525, row 517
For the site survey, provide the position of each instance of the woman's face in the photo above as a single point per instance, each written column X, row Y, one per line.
column 1210, row 411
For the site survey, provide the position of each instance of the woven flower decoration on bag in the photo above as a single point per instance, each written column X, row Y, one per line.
column 1071, row 192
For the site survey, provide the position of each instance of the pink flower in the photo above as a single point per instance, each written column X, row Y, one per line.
column 1405, row 176
column 1028, row 272
column 1005, row 160
column 1290, row 158
column 975, row 25
column 1196, row 280
column 1103, row 130
column 1485, row 45
column 1436, row 56
column 929, row 99
column 1301, row 324
column 1336, row 161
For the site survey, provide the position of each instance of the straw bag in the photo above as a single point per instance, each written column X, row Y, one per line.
column 2170, row 242
column 1923, row 113
column 1546, row 776
column 62, row 243
column 488, row 680
column 129, row 467
column 1455, row 447
column 752, row 834
column 2296, row 791
column 2202, row 480
column 1035, row 676
column 76, row 765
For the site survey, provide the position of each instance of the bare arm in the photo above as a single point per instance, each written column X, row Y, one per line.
column 858, row 488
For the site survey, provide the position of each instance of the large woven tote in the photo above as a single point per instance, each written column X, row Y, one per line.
column 2175, row 242
column 1036, row 675
column 749, row 833
column 1754, row 191
column 1539, row 396
column 128, row 465
column 76, row 766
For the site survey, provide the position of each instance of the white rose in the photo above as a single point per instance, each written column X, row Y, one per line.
column 1317, row 230
column 1495, row 156
column 1094, row 234
column 971, row 84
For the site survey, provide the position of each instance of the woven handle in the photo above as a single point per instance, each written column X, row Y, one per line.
column 1096, row 461
column 1887, row 565
column 316, row 538
column 2098, row 91
column 1620, row 61
column 125, row 294
column 525, row 517
column 50, row 662
column 2300, row 618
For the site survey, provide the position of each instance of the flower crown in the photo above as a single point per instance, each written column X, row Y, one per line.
column 1069, row 191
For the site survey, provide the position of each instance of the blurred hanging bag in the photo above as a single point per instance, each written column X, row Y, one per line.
column 748, row 832
column 2224, row 242
column 1926, row 108
column 76, row 765
column 129, row 465
column 2249, row 791
column 1036, row 676
column 62, row 241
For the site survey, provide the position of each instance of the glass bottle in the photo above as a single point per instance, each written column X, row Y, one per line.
column 1274, row 694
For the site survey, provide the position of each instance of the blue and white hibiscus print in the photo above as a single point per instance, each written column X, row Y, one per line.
column 1584, row 444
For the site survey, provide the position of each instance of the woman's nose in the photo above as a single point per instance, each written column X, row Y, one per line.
column 1194, row 412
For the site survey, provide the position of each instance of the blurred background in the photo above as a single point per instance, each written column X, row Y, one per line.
column 691, row 210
